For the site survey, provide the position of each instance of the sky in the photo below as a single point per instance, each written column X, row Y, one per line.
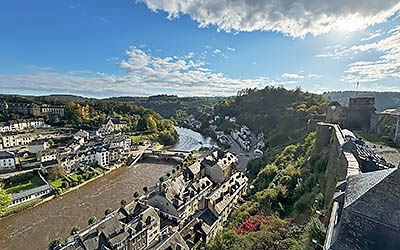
column 103, row 48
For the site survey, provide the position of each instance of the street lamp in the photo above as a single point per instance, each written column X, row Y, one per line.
column 316, row 242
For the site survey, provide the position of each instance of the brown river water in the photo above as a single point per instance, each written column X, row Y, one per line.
column 34, row 228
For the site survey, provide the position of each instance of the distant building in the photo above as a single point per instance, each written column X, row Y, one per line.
column 33, row 109
column 37, row 146
column 13, row 140
column 360, row 115
column 7, row 160
column 110, row 125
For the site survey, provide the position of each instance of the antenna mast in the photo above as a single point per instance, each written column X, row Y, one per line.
column 358, row 85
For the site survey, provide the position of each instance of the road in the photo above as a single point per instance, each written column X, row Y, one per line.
column 242, row 155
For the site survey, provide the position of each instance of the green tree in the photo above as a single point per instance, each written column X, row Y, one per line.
column 123, row 203
column 5, row 201
column 161, row 179
column 75, row 230
column 136, row 194
column 55, row 243
column 92, row 220
column 107, row 211
column 145, row 189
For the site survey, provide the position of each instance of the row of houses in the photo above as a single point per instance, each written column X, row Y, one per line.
column 195, row 203
column 242, row 137
column 10, row 140
column 32, row 109
column 22, row 124
column 83, row 152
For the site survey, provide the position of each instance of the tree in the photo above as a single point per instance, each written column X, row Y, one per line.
column 65, row 184
column 57, row 172
column 5, row 201
column 161, row 179
column 136, row 194
column 55, row 243
column 107, row 211
column 75, row 230
column 92, row 220
column 151, row 124
column 123, row 203
column 145, row 189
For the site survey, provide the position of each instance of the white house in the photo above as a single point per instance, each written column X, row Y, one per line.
column 7, row 160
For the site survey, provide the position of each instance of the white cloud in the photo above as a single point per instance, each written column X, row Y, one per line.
column 292, row 76
column 292, row 17
column 387, row 65
column 371, row 36
column 314, row 76
column 145, row 75
column 217, row 51
column 230, row 49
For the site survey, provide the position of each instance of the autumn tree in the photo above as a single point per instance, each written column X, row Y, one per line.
column 57, row 172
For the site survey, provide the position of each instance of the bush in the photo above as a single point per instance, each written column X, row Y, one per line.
column 123, row 203
column 92, row 220
column 107, row 211
column 55, row 243
column 65, row 184
column 75, row 230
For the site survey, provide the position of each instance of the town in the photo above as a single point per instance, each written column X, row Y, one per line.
column 187, row 208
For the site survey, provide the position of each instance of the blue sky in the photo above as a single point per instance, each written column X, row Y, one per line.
column 106, row 48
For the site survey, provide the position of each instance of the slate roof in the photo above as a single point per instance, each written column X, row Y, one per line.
column 30, row 192
column 6, row 155
column 172, row 243
column 371, row 214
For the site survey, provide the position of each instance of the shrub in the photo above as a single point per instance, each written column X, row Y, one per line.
column 92, row 220
column 107, row 211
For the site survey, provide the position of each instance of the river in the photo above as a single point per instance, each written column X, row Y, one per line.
column 34, row 228
column 190, row 140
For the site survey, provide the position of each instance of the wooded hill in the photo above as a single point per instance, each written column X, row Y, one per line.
column 280, row 113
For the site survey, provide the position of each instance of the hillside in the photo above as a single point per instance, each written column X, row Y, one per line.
column 173, row 106
column 280, row 113
column 287, row 181
column 383, row 100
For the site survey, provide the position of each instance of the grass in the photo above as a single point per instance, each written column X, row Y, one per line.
column 99, row 169
column 22, row 182
column 374, row 138
column 139, row 138
column 74, row 177
column 57, row 183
